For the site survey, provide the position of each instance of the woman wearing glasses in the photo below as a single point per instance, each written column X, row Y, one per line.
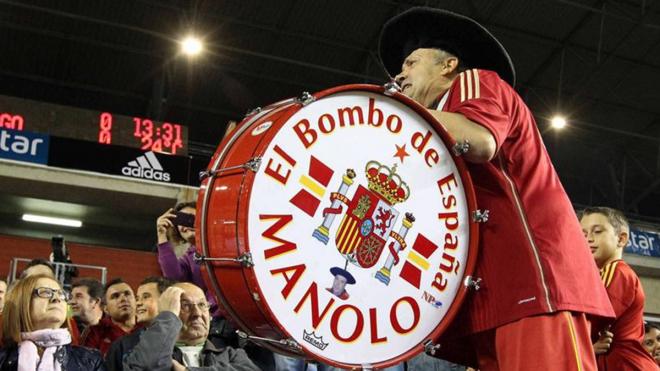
column 35, row 339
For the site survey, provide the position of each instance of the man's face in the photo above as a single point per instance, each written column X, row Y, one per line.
column 147, row 302
column 601, row 237
column 338, row 284
column 652, row 342
column 3, row 291
column 195, row 321
column 187, row 233
column 81, row 303
column 420, row 76
column 120, row 302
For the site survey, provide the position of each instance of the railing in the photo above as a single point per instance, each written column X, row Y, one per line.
column 60, row 269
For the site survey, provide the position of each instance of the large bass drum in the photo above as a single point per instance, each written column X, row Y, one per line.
column 340, row 227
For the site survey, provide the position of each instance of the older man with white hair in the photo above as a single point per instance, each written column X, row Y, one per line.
column 177, row 338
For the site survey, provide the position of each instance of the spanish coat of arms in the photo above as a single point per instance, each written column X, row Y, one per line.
column 370, row 216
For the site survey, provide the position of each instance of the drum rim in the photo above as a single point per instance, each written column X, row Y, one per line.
column 227, row 144
column 468, row 189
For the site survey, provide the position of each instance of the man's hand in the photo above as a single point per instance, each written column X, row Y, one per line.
column 603, row 344
column 170, row 300
column 163, row 223
column 176, row 366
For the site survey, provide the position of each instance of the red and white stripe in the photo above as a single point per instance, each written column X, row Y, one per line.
column 469, row 82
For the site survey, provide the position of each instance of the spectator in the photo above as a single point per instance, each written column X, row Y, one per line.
column 176, row 228
column 170, row 234
column 606, row 231
column 34, row 337
column 119, row 307
column 177, row 337
column 652, row 341
column 148, row 294
column 86, row 298
column 38, row 266
column 3, row 291
column 44, row 267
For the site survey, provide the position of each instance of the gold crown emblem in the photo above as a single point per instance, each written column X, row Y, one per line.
column 386, row 182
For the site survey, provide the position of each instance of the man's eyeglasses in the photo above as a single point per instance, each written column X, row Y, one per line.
column 48, row 293
column 187, row 306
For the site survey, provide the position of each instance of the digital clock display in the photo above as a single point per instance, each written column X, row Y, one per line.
column 94, row 126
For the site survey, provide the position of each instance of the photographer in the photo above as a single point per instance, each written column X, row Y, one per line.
column 176, row 228
column 60, row 254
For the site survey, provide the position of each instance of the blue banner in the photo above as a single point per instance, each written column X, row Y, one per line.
column 24, row 146
column 643, row 243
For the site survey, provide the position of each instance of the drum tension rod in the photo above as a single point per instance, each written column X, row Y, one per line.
column 391, row 88
column 252, row 165
column 480, row 216
column 289, row 343
column 430, row 347
column 253, row 111
column 460, row 148
column 305, row 98
column 472, row 282
column 244, row 259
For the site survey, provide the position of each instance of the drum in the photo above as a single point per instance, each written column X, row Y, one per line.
column 340, row 227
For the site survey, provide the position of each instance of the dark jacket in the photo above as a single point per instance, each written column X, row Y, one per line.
column 218, row 338
column 156, row 348
column 75, row 358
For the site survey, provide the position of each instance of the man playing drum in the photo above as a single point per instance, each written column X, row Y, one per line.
column 538, row 277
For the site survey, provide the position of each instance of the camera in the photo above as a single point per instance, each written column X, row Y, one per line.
column 59, row 249
column 184, row 219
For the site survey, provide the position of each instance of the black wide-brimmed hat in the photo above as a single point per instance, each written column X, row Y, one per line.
column 423, row 27
column 336, row 271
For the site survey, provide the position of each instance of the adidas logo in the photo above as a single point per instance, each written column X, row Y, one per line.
column 146, row 167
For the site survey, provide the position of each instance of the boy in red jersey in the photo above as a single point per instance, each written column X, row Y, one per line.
column 606, row 231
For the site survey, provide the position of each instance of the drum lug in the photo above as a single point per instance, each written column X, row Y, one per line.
column 480, row 216
column 289, row 343
column 244, row 259
column 430, row 347
column 253, row 111
column 472, row 283
column 460, row 148
column 252, row 165
column 391, row 88
column 204, row 174
column 305, row 98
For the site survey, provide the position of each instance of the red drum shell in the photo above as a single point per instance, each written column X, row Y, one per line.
column 223, row 231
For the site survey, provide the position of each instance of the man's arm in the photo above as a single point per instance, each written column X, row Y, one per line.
column 154, row 350
column 481, row 140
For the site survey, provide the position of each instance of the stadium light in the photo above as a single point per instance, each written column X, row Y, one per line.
column 52, row 220
column 191, row 46
column 558, row 122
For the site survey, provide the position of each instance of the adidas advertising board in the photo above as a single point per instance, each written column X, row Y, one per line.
column 119, row 160
column 146, row 167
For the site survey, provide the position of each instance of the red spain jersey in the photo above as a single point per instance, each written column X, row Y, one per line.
column 533, row 258
column 627, row 297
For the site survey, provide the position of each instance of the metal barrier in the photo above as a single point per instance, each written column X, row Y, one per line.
column 60, row 269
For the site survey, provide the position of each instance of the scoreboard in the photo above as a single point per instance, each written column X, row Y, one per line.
column 93, row 126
